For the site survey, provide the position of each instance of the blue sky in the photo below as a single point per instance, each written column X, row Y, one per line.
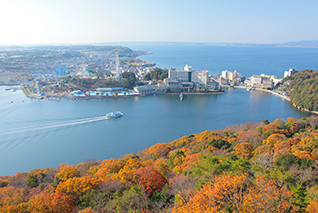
column 83, row 21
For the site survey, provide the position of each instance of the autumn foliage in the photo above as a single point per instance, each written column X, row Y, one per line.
column 150, row 180
column 237, row 193
column 252, row 167
column 77, row 186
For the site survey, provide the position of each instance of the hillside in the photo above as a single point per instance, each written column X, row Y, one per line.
column 303, row 89
column 270, row 167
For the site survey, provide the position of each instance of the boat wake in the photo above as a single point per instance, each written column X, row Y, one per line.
column 54, row 125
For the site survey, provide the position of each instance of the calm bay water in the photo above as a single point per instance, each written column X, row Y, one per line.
column 40, row 133
column 246, row 60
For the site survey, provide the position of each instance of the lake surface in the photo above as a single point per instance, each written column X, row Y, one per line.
column 40, row 133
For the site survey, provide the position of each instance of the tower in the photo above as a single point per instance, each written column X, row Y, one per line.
column 117, row 67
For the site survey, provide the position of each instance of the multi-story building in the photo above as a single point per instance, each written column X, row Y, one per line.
column 267, row 83
column 180, row 75
column 259, row 81
column 256, row 81
column 187, row 77
column 289, row 72
column 231, row 76
column 200, row 77
column 225, row 74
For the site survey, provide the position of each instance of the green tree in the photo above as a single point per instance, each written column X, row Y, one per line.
column 129, row 79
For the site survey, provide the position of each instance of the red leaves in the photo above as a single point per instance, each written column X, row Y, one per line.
column 151, row 180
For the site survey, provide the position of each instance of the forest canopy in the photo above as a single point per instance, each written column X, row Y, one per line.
column 252, row 167
column 303, row 89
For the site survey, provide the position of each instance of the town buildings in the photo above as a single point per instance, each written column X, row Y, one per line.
column 187, row 78
column 260, row 81
column 228, row 77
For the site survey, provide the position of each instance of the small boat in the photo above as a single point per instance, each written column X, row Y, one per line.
column 115, row 114
column 181, row 96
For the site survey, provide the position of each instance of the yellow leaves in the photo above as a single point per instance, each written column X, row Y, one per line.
column 180, row 142
column 243, row 150
column 67, row 172
column 302, row 154
column 161, row 166
column 305, row 149
column 205, row 136
column 274, row 139
column 128, row 172
column 109, row 167
column 77, row 186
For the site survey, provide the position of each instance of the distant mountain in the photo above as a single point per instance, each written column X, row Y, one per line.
column 312, row 43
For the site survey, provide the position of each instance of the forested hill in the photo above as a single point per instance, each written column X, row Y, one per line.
column 255, row 167
column 303, row 89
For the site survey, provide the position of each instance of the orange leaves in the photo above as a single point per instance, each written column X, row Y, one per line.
column 305, row 149
column 236, row 193
column 243, row 150
column 57, row 202
column 312, row 207
column 221, row 195
column 187, row 164
column 77, row 186
column 12, row 196
column 245, row 135
column 67, row 172
column 265, row 196
column 159, row 150
column 270, row 126
column 87, row 210
column 151, row 180
column 281, row 148
column 109, row 167
column 18, row 200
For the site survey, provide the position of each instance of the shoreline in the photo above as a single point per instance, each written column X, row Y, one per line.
column 27, row 94
column 279, row 95
column 154, row 94
column 287, row 99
